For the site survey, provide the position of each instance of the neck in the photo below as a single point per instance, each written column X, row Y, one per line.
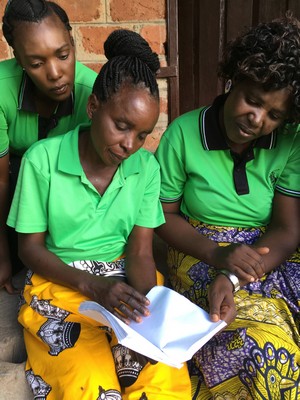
column 45, row 107
column 96, row 172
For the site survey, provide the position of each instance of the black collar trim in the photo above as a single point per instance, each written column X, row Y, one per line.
column 211, row 133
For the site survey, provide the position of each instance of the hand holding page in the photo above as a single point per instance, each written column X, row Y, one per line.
column 175, row 329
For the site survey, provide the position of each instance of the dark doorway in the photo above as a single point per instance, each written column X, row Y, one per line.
column 204, row 26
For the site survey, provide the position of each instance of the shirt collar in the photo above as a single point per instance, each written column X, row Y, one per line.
column 26, row 99
column 210, row 131
column 69, row 161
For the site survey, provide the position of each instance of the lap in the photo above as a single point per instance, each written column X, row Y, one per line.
column 71, row 356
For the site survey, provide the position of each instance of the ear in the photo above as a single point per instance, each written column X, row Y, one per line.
column 17, row 58
column 92, row 105
column 72, row 40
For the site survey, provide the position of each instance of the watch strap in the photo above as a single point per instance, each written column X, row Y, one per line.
column 233, row 279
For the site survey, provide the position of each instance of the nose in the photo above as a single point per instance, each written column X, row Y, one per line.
column 53, row 71
column 256, row 117
column 128, row 142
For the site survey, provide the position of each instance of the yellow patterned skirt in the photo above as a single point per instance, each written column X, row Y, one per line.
column 258, row 355
column 72, row 357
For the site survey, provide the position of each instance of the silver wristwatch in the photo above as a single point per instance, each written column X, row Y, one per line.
column 233, row 279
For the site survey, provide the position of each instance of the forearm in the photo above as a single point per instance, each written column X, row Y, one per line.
column 282, row 243
column 46, row 264
column 283, row 233
column 141, row 272
column 178, row 233
column 4, row 199
column 140, row 265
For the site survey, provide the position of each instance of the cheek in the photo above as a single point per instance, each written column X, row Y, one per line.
column 269, row 127
column 38, row 78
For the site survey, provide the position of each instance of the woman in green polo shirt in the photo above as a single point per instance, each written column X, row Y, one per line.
column 95, row 196
column 230, row 192
column 44, row 93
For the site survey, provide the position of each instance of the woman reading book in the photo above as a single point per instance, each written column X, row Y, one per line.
column 85, row 207
column 230, row 192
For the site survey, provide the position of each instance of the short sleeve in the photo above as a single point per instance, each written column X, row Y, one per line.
column 4, row 140
column 151, row 214
column 288, row 182
column 28, row 212
column 169, row 156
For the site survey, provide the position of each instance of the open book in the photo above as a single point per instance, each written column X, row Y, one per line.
column 175, row 329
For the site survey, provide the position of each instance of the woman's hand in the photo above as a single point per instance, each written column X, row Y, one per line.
column 118, row 297
column 221, row 301
column 6, row 278
column 246, row 262
column 115, row 295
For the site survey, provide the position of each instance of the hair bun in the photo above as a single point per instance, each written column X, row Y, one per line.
column 123, row 42
column 30, row 9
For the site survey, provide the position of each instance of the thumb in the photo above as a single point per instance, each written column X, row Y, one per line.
column 11, row 289
column 262, row 250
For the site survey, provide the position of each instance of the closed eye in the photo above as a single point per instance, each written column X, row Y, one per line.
column 121, row 127
column 142, row 136
column 36, row 65
column 252, row 102
column 64, row 56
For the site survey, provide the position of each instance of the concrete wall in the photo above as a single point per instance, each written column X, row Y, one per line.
column 94, row 20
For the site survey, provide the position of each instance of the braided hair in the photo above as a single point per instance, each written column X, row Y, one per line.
column 130, row 60
column 18, row 11
column 268, row 54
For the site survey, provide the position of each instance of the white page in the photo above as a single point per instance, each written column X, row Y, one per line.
column 175, row 329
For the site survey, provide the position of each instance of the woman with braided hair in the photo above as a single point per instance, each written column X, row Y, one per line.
column 230, row 191
column 46, row 92
column 95, row 196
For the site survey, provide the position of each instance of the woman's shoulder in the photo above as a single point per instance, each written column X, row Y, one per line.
column 84, row 75
column 10, row 68
column 48, row 145
column 188, row 117
column 289, row 135
column 185, row 122
column 143, row 159
column 10, row 75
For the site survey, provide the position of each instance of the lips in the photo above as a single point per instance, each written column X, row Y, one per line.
column 118, row 156
column 62, row 89
column 245, row 131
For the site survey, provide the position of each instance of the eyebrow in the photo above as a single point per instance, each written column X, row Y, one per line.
column 60, row 49
column 282, row 113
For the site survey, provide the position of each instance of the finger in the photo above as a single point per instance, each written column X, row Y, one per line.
column 138, row 297
column 244, row 271
column 250, row 266
column 11, row 289
column 219, row 294
column 126, row 313
column 262, row 250
column 120, row 315
column 228, row 312
column 137, row 302
column 256, row 265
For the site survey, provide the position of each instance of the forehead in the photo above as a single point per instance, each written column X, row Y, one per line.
column 280, row 99
column 47, row 33
column 130, row 95
column 133, row 104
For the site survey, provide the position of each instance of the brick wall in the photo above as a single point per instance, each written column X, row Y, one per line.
column 93, row 20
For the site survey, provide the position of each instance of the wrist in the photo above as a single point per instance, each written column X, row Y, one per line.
column 233, row 279
column 211, row 254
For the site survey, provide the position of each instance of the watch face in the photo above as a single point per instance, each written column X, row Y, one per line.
column 233, row 279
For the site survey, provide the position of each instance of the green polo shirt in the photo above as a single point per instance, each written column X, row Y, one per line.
column 54, row 195
column 215, row 186
column 19, row 123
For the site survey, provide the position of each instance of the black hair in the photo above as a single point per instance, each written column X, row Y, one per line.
column 268, row 54
column 130, row 60
column 18, row 11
